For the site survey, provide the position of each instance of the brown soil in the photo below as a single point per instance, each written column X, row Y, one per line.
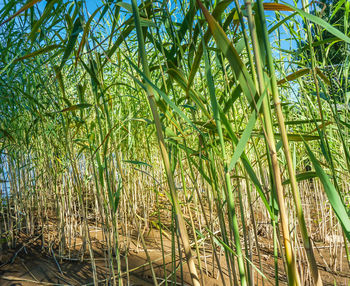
column 32, row 264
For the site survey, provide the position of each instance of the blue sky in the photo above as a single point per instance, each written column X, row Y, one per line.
column 92, row 5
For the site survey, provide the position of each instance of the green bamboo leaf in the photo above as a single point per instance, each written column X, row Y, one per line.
column 145, row 120
column 208, row 125
column 294, row 75
column 147, row 23
column 38, row 52
column 218, row 10
column 138, row 163
column 43, row 17
column 76, row 106
column 77, row 28
column 246, row 163
column 117, row 196
column 291, row 137
column 333, row 196
column 298, row 122
column 24, row 8
column 91, row 72
column 126, row 6
column 299, row 137
column 59, row 78
column 275, row 7
column 161, row 94
column 344, row 123
column 280, row 23
column 179, row 77
column 226, row 47
column 236, row 93
column 246, row 135
column 323, row 76
column 302, row 177
column 119, row 40
column 325, row 41
column 180, row 34
column 5, row 10
column 322, row 23
column 86, row 31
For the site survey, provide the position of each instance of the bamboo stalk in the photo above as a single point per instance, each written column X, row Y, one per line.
column 180, row 221
column 293, row 275
column 297, row 200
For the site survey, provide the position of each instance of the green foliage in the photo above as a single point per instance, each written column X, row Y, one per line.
column 100, row 106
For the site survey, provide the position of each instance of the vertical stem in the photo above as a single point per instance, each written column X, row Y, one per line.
column 164, row 152
column 229, row 190
column 275, row 95
column 293, row 276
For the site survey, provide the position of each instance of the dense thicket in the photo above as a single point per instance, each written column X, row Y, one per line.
column 195, row 118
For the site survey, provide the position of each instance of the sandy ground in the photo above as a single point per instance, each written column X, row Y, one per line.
column 32, row 264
